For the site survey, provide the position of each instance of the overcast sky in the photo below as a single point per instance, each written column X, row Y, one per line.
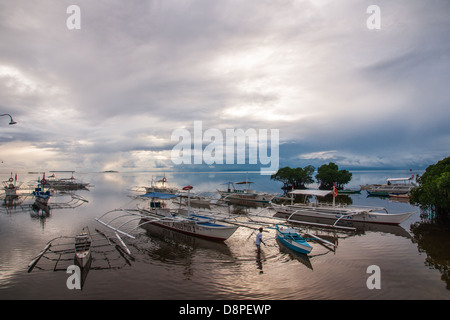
column 109, row 95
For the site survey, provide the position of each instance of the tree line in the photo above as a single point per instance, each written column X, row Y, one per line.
column 433, row 192
column 327, row 176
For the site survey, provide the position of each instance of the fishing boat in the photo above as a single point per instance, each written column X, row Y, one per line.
column 42, row 196
column 245, row 194
column 392, row 186
column 11, row 186
column 338, row 212
column 83, row 243
column 65, row 183
column 185, row 220
column 292, row 239
column 159, row 213
column 161, row 186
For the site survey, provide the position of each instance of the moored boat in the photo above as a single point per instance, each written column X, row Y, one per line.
column 11, row 186
column 340, row 212
column 161, row 186
column 293, row 240
column 42, row 196
column 392, row 186
column 245, row 194
column 83, row 243
column 185, row 220
column 163, row 214
column 65, row 183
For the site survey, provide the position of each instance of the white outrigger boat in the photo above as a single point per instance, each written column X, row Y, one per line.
column 339, row 212
column 182, row 220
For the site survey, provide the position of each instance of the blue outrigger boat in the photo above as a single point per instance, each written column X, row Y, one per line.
column 292, row 239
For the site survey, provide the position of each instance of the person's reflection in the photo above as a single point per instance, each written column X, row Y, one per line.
column 259, row 261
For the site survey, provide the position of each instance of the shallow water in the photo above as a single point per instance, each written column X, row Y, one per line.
column 169, row 265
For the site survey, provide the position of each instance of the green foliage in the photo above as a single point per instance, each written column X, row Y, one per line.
column 328, row 174
column 433, row 191
column 297, row 177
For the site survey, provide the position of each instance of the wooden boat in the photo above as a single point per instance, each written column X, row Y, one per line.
column 11, row 186
column 65, row 183
column 83, row 243
column 245, row 194
column 339, row 212
column 42, row 196
column 392, row 186
column 161, row 186
column 399, row 196
column 293, row 240
column 182, row 220
column 192, row 224
column 186, row 221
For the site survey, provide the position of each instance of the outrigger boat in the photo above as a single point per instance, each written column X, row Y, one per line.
column 161, row 186
column 11, row 186
column 41, row 196
column 338, row 212
column 292, row 239
column 83, row 243
column 182, row 220
column 186, row 221
column 60, row 253
column 246, row 194
column 65, row 183
column 392, row 186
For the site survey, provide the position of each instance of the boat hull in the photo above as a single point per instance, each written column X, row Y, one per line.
column 328, row 213
column 253, row 197
column 385, row 190
column 205, row 230
column 83, row 259
column 10, row 191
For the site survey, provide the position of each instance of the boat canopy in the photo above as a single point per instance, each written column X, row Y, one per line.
column 159, row 195
column 320, row 193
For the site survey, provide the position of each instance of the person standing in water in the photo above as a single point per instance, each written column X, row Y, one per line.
column 259, row 239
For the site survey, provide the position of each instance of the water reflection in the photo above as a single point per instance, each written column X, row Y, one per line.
column 169, row 244
column 170, row 265
column 304, row 259
column 433, row 238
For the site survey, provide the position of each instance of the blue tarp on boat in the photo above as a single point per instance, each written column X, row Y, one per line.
column 159, row 195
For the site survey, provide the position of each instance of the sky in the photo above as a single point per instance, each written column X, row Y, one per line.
column 110, row 95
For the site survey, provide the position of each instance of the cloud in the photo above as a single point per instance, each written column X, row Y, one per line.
column 111, row 93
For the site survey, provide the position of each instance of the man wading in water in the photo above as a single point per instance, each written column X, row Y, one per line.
column 259, row 239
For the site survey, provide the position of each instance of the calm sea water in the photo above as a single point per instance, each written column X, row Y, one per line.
column 413, row 258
